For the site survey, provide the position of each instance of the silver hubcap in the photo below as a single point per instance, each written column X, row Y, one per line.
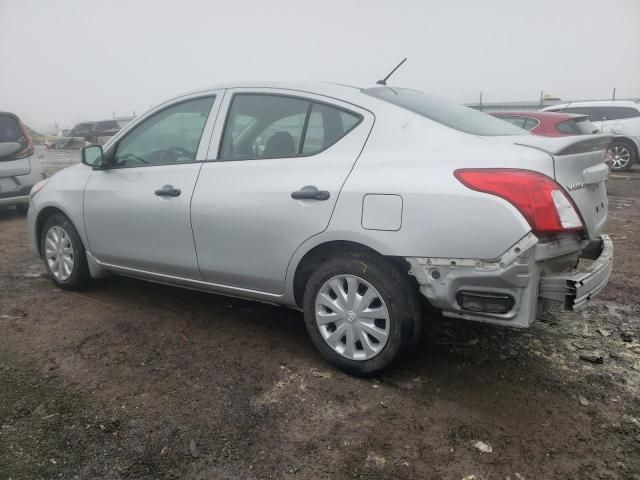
column 59, row 253
column 352, row 317
column 620, row 156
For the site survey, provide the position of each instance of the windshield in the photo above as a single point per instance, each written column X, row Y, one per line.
column 445, row 112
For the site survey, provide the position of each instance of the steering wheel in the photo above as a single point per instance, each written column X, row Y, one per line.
column 176, row 151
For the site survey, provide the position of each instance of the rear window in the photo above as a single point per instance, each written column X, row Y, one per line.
column 445, row 112
column 577, row 126
column 10, row 131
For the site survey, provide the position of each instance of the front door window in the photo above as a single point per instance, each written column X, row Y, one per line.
column 170, row 136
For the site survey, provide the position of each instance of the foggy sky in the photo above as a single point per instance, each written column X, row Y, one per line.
column 71, row 60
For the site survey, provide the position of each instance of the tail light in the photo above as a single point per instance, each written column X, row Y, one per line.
column 542, row 202
column 28, row 149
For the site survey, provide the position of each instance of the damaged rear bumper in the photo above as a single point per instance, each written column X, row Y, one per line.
column 576, row 288
column 528, row 273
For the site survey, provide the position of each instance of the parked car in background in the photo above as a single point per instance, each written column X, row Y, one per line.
column 19, row 168
column 105, row 128
column 350, row 204
column 91, row 131
column 617, row 117
column 82, row 130
column 549, row 124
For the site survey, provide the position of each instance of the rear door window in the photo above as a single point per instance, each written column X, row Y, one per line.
column 278, row 126
column 326, row 126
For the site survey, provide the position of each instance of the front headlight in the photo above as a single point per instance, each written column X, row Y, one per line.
column 37, row 187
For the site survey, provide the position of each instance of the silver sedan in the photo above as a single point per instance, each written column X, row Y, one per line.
column 355, row 205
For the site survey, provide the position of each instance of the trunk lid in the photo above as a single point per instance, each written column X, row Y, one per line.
column 580, row 168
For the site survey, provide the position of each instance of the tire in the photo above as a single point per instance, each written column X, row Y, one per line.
column 623, row 155
column 397, row 293
column 77, row 276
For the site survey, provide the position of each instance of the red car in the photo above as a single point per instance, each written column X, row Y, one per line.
column 549, row 124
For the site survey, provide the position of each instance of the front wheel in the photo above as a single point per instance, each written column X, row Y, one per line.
column 622, row 155
column 63, row 252
column 361, row 313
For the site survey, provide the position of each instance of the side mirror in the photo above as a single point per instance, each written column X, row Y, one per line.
column 93, row 157
column 8, row 149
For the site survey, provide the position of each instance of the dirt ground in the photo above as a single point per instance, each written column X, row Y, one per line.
column 134, row 380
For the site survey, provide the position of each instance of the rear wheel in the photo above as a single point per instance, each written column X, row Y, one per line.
column 64, row 254
column 361, row 313
column 623, row 156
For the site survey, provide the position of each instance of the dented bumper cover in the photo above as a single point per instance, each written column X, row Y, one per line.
column 576, row 288
column 530, row 271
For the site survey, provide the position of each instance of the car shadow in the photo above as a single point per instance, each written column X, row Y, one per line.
column 11, row 213
column 444, row 346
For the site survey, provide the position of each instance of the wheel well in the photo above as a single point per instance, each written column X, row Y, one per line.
column 320, row 253
column 42, row 217
column 630, row 142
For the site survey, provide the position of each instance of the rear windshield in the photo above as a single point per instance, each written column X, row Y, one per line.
column 10, row 131
column 445, row 112
column 577, row 126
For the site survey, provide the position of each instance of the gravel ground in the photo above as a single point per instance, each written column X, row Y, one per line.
column 134, row 380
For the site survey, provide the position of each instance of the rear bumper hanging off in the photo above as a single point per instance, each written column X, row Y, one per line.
column 575, row 289
column 525, row 275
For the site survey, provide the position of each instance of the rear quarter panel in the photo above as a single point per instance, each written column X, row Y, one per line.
column 413, row 157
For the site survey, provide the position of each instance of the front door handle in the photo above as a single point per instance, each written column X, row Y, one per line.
column 310, row 193
column 168, row 191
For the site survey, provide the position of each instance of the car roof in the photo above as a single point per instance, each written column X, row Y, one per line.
column 540, row 115
column 338, row 91
column 597, row 103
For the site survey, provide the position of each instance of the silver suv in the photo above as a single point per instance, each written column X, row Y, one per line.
column 616, row 117
column 354, row 205
column 19, row 168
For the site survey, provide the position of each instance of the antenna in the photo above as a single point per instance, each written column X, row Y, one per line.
column 384, row 80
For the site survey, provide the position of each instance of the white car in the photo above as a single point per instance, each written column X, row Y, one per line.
column 619, row 118
column 355, row 205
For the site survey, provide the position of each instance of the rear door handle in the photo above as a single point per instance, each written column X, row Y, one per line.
column 310, row 193
column 168, row 191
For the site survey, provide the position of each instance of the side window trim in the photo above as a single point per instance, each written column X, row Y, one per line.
column 312, row 101
column 205, row 137
column 303, row 137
